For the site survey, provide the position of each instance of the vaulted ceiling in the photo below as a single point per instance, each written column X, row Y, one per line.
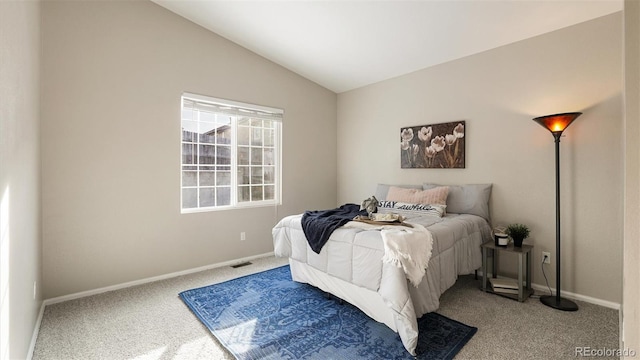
column 343, row 45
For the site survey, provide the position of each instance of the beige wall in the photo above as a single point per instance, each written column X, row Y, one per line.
column 631, row 276
column 20, row 230
column 498, row 92
column 113, row 73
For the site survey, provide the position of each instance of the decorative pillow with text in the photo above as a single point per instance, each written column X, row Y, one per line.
column 420, row 209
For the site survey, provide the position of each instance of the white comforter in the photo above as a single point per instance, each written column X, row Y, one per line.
column 355, row 254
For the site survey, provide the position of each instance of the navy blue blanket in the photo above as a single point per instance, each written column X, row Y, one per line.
column 318, row 225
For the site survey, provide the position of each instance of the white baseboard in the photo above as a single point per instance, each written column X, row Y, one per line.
column 36, row 331
column 82, row 294
column 573, row 296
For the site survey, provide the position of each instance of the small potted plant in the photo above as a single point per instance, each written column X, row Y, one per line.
column 518, row 233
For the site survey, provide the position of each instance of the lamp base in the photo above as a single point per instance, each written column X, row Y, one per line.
column 563, row 304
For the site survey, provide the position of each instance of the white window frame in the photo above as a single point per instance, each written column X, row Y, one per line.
column 240, row 109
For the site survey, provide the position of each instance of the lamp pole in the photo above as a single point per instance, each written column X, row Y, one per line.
column 556, row 124
column 558, row 302
column 556, row 136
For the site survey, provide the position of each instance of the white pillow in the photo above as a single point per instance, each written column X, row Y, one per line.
column 467, row 199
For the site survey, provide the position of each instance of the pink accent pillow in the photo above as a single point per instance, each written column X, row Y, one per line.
column 437, row 195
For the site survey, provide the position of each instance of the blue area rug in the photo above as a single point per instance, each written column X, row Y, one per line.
column 269, row 316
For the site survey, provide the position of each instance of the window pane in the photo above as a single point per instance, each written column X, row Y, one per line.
column 225, row 120
column 223, row 178
column 256, row 136
column 268, row 156
column 188, row 153
column 243, row 135
column 268, row 124
column 256, row 193
column 207, row 138
column 207, row 154
column 256, row 175
column 244, row 121
column 223, row 133
column 269, row 174
column 207, row 116
column 207, row 133
column 256, row 156
column 269, row 192
column 207, row 197
column 224, row 155
column 243, row 155
column 189, row 178
column 207, row 178
column 224, row 137
column 269, row 138
column 188, row 136
column 189, row 198
column 190, row 126
column 244, row 194
column 189, row 168
column 243, row 175
column 187, row 113
column 223, row 195
column 256, row 122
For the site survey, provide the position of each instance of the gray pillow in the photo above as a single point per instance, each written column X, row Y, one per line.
column 467, row 199
column 383, row 190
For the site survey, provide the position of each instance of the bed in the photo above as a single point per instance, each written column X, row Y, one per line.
column 350, row 265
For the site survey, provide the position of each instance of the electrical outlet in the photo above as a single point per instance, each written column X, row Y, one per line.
column 547, row 257
column 243, row 236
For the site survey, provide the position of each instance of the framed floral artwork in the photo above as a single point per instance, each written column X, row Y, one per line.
column 435, row 146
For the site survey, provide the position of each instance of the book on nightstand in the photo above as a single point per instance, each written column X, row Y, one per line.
column 505, row 286
column 505, row 291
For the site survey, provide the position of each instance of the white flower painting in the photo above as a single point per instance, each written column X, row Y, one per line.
column 439, row 146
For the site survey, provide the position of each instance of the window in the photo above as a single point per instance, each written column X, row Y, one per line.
column 230, row 154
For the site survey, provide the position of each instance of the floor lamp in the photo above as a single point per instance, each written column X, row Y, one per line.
column 556, row 124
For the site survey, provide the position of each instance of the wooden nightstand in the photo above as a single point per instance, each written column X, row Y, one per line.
column 524, row 268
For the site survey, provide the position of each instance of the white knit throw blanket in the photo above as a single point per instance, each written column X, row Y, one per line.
column 408, row 248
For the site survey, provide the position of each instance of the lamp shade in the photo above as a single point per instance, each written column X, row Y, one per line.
column 556, row 123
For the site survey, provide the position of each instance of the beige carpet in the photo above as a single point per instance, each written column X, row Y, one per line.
column 151, row 322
